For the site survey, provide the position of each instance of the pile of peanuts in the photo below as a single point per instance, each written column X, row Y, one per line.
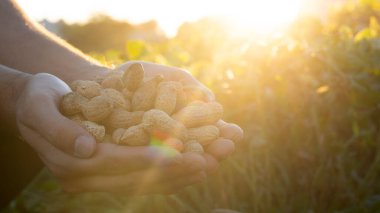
column 126, row 109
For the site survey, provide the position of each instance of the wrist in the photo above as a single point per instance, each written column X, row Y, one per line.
column 12, row 86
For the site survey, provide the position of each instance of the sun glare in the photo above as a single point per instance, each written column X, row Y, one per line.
column 261, row 16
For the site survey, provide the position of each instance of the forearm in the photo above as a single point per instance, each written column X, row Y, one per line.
column 12, row 83
column 28, row 47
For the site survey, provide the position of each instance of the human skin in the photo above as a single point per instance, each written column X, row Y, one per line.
column 29, row 100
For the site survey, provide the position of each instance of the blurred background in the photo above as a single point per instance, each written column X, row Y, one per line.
column 301, row 77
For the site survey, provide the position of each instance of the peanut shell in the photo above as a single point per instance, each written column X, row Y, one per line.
column 96, row 130
column 114, row 82
column 144, row 97
column 157, row 120
column 204, row 135
column 116, row 98
column 166, row 99
column 127, row 94
column 71, row 103
column 197, row 114
column 133, row 136
column 120, row 118
column 97, row 109
column 193, row 146
column 133, row 77
column 88, row 89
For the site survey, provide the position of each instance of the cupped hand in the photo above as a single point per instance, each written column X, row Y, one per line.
column 230, row 133
column 74, row 158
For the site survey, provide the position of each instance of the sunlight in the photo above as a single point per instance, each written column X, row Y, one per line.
column 261, row 16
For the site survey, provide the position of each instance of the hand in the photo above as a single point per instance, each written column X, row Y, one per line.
column 74, row 158
column 230, row 133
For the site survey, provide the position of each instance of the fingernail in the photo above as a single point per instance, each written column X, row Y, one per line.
column 84, row 146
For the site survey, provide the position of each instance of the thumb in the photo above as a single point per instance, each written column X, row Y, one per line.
column 60, row 131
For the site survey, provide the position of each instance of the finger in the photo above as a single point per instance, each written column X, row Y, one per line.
column 171, row 74
column 114, row 159
column 136, row 183
column 221, row 148
column 121, row 160
column 152, row 69
column 57, row 162
column 191, row 163
column 64, row 166
column 171, row 187
column 127, row 162
column 197, row 91
column 209, row 94
column 230, row 131
column 212, row 164
column 63, row 133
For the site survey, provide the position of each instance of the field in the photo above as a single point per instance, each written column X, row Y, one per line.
column 308, row 101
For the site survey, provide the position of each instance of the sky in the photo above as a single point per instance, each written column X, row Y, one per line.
column 170, row 14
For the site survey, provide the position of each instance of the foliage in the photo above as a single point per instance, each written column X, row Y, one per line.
column 308, row 102
column 102, row 33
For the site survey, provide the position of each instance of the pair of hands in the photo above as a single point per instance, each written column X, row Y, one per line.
column 80, row 164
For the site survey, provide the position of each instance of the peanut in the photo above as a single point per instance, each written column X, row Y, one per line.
column 156, row 120
column 120, row 118
column 181, row 100
column 117, row 134
column 134, row 111
column 133, row 136
column 204, row 135
column 127, row 94
column 197, row 114
column 193, row 146
column 71, row 103
column 107, row 139
column 97, row 109
column 133, row 76
column 77, row 117
column 88, row 89
column 166, row 99
column 114, row 82
column 144, row 97
column 96, row 130
column 194, row 93
column 116, row 98
column 174, row 143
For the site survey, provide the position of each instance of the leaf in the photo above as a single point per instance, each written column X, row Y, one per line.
column 365, row 34
column 135, row 49
column 371, row 32
column 374, row 24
